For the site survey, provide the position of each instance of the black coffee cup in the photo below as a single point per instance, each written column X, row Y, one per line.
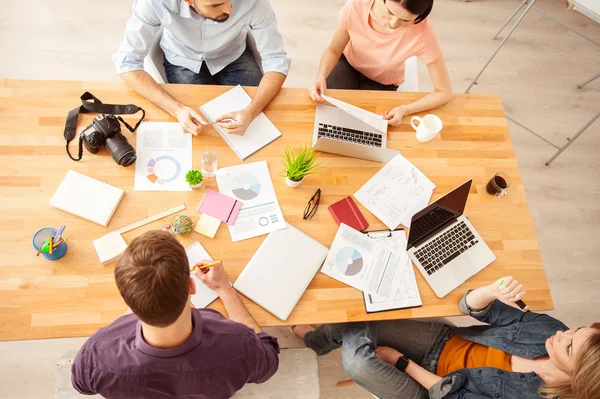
column 498, row 185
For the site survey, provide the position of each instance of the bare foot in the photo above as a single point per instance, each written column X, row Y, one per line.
column 301, row 330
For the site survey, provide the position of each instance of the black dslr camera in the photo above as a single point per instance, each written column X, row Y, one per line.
column 106, row 130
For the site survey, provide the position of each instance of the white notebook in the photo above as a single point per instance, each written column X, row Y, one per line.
column 281, row 269
column 260, row 132
column 87, row 198
column 204, row 296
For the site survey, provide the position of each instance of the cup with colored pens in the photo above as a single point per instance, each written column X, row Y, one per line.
column 50, row 243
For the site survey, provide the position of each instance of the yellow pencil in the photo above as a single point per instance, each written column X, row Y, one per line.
column 206, row 266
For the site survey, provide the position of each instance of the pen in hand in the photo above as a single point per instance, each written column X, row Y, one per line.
column 205, row 266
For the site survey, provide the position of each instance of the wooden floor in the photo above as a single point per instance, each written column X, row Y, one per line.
column 536, row 74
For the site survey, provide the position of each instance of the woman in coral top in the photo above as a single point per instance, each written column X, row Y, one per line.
column 518, row 354
column 373, row 40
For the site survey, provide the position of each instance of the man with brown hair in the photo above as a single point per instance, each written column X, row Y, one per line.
column 167, row 348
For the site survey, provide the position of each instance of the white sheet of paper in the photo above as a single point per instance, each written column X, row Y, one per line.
column 370, row 118
column 251, row 184
column 260, row 132
column 395, row 191
column 164, row 155
column 406, row 292
column 109, row 247
column 204, row 296
column 419, row 207
column 363, row 263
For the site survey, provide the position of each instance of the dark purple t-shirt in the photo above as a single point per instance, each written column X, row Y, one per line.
column 217, row 360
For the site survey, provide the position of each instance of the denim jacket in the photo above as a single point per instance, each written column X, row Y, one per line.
column 510, row 330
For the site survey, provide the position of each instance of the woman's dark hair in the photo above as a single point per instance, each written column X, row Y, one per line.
column 421, row 8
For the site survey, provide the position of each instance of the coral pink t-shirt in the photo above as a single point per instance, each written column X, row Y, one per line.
column 380, row 56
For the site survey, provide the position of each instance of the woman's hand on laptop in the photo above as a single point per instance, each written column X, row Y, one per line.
column 394, row 116
column 316, row 89
column 213, row 277
column 509, row 291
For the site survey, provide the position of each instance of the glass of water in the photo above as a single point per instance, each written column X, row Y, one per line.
column 210, row 160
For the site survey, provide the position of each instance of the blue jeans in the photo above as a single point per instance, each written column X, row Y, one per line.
column 344, row 76
column 421, row 342
column 243, row 71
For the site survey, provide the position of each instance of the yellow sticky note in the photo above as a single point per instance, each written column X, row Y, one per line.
column 207, row 225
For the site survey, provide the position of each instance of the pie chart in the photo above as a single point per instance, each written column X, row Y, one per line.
column 163, row 170
column 349, row 261
column 245, row 186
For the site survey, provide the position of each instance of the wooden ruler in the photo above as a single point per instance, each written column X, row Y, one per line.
column 148, row 219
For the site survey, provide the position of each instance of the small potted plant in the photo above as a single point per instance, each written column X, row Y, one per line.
column 299, row 165
column 194, row 178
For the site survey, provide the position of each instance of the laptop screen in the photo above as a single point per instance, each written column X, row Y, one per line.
column 438, row 215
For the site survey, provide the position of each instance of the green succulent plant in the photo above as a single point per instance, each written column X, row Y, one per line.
column 193, row 177
column 301, row 164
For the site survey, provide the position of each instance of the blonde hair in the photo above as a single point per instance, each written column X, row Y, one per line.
column 585, row 379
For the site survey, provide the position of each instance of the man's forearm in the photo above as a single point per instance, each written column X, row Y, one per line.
column 147, row 87
column 267, row 90
column 236, row 309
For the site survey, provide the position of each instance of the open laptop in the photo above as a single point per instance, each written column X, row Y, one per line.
column 281, row 269
column 347, row 130
column 444, row 245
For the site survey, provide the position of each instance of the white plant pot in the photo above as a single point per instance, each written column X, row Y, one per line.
column 196, row 185
column 293, row 184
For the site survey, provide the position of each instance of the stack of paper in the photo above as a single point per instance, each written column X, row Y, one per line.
column 109, row 247
column 251, row 184
column 406, row 294
column 396, row 192
column 260, row 132
column 364, row 263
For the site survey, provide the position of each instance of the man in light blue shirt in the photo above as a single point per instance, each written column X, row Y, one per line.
column 204, row 42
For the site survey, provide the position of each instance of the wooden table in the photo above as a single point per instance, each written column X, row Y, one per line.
column 77, row 295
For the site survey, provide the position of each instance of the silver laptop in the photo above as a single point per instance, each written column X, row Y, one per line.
column 444, row 245
column 347, row 130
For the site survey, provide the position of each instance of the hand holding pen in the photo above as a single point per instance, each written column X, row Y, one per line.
column 510, row 291
column 212, row 274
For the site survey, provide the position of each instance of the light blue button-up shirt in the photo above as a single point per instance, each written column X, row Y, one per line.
column 188, row 39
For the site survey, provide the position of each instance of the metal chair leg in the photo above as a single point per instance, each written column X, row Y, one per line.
column 589, row 80
column 474, row 82
column 571, row 141
column 509, row 19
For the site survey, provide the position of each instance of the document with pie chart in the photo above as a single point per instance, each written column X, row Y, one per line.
column 363, row 263
column 164, row 155
column 251, row 184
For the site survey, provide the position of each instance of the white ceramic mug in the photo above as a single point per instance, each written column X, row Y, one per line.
column 429, row 126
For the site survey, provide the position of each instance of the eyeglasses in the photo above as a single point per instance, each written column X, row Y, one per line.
column 312, row 205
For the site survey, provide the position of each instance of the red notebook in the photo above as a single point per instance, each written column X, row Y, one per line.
column 346, row 211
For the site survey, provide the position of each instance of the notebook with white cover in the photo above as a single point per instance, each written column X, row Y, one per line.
column 260, row 132
column 204, row 296
column 87, row 198
column 281, row 269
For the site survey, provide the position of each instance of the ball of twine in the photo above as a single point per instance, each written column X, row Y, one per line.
column 182, row 224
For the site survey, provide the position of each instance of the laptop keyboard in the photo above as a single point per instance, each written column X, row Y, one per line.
column 444, row 248
column 350, row 135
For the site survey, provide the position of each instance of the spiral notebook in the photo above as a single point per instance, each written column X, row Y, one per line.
column 220, row 206
column 204, row 296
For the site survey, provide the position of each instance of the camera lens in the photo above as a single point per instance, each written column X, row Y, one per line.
column 122, row 152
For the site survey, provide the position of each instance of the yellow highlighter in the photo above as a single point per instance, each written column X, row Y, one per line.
column 206, row 266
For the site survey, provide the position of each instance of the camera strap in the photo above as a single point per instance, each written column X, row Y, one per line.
column 90, row 103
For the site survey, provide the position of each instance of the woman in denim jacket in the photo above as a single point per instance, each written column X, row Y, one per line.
column 518, row 354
